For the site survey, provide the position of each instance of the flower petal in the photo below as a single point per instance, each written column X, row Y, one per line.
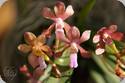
column 61, row 36
column 41, row 38
column 29, row 37
column 69, row 12
column 96, row 38
column 113, row 28
column 42, row 63
column 117, row 36
column 33, row 60
column 83, row 52
column 75, row 32
column 24, row 48
column 59, row 8
column 102, row 30
column 99, row 51
column 67, row 27
column 47, row 13
column 85, row 36
column 73, row 60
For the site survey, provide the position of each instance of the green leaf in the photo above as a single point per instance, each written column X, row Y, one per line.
column 56, row 80
column 64, row 59
column 109, row 49
column 66, row 53
column 109, row 76
column 85, row 11
column 46, row 74
column 22, row 4
column 99, row 62
column 65, row 78
column 97, row 77
column 109, row 64
column 119, row 45
column 52, row 80
column 67, row 73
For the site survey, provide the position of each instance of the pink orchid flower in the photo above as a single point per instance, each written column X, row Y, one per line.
column 58, row 17
column 106, row 36
column 73, row 40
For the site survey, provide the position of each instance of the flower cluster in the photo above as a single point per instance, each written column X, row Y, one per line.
column 41, row 54
column 106, row 36
column 65, row 33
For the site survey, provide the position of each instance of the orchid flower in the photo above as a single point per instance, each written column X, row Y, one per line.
column 59, row 16
column 105, row 36
column 37, row 47
column 73, row 40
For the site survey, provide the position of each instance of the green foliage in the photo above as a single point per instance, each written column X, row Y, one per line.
column 63, row 60
column 106, row 76
column 65, row 78
column 109, row 49
column 85, row 12
column 46, row 73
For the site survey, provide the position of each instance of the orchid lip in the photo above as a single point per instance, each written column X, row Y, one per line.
column 73, row 60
